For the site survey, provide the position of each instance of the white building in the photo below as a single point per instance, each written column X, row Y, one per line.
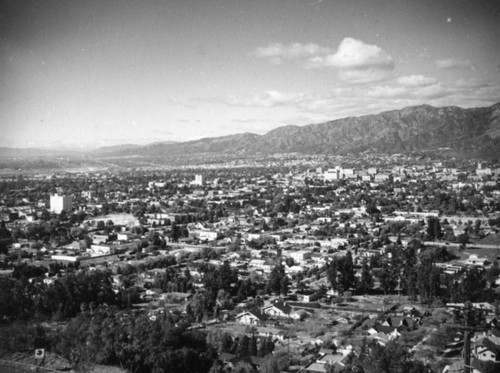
column 205, row 234
column 198, row 180
column 59, row 203
column 98, row 250
column 332, row 174
column 300, row 255
column 480, row 171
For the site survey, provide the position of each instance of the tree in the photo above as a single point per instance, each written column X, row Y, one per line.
column 340, row 273
column 226, row 277
column 176, row 233
column 252, row 346
column 243, row 346
column 278, row 281
column 284, row 285
column 227, row 342
column 266, row 347
column 428, row 280
column 366, row 282
column 372, row 209
column 197, row 307
column 409, row 272
column 434, row 228
column 477, row 227
column 472, row 285
column 276, row 363
column 388, row 278
column 135, row 342
column 492, row 273
column 110, row 224
column 391, row 358
column 223, row 300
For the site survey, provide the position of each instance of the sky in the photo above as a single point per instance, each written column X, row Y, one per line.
column 85, row 74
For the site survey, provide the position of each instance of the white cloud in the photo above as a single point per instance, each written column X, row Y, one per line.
column 277, row 52
column 416, row 81
column 356, row 61
column 355, row 54
column 453, row 63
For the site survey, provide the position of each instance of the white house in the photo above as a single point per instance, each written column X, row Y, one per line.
column 487, row 350
column 277, row 309
column 250, row 318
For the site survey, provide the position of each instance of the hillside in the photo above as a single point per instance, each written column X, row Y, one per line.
column 416, row 128
column 474, row 131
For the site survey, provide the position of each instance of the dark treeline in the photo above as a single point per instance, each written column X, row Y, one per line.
column 25, row 298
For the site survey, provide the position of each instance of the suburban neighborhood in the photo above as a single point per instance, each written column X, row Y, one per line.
column 306, row 265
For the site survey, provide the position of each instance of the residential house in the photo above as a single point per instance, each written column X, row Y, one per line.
column 474, row 260
column 278, row 309
column 487, row 350
column 251, row 317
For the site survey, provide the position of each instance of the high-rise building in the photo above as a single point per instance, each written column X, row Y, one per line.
column 59, row 203
column 198, row 180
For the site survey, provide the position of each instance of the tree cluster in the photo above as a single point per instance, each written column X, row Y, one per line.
column 135, row 342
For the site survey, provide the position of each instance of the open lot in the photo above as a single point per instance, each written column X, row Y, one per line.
column 119, row 219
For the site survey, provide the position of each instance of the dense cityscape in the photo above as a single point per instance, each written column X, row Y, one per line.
column 235, row 186
column 315, row 264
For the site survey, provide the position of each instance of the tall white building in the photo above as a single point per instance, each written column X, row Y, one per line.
column 59, row 203
column 198, row 180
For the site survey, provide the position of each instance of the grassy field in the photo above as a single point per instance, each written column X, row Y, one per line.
column 492, row 239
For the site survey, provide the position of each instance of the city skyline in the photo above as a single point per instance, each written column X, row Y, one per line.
column 86, row 74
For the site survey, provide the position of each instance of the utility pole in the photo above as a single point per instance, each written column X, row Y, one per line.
column 467, row 336
column 468, row 333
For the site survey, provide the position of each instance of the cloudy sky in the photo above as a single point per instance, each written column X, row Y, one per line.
column 99, row 72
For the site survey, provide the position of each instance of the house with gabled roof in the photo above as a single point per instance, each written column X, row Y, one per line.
column 381, row 328
column 487, row 350
column 278, row 309
column 402, row 323
column 251, row 317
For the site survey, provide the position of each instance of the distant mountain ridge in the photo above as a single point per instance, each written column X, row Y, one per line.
column 473, row 131
column 466, row 132
column 6, row 152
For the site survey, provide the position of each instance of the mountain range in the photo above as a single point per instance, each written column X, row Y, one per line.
column 472, row 131
column 466, row 132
